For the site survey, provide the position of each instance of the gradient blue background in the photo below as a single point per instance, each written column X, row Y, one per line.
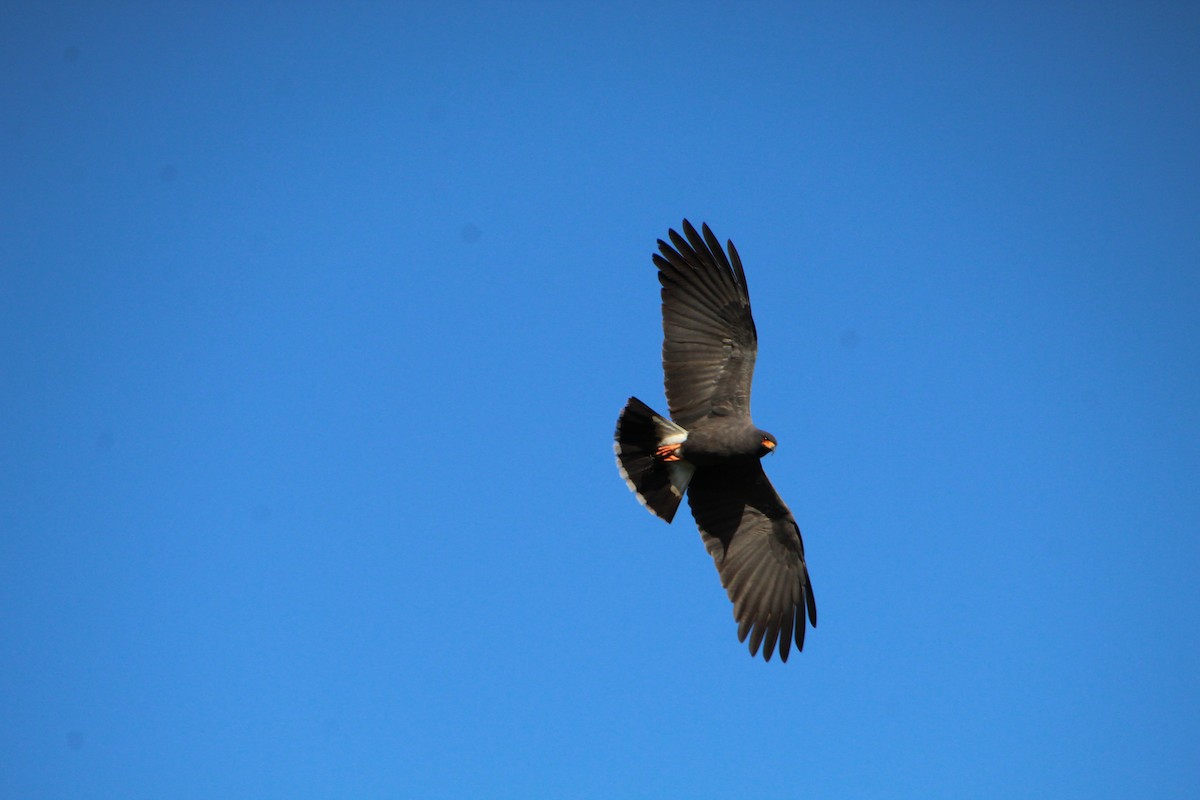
column 316, row 319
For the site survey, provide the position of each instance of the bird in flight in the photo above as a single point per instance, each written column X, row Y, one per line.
column 711, row 450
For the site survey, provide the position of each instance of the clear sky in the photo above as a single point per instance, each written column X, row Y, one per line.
column 316, row 320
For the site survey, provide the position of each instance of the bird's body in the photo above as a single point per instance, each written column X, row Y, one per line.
column 710, row 449
column 715, row 443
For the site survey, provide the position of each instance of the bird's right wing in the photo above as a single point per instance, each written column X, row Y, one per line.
column 755, row 543
column 709, row 340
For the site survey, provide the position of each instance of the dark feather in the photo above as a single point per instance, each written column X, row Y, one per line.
column 756, row 547
column 709, row 340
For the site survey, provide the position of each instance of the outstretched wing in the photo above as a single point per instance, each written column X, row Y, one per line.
column 756, row 546
column 709, row 341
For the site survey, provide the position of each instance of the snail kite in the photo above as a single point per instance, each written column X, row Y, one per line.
column 710, row 448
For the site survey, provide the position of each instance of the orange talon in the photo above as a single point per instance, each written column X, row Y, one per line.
column 668, row 452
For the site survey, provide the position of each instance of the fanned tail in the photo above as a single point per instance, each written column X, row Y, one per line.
column 658, row 484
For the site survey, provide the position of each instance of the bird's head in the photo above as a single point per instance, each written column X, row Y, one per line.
column 766, row 444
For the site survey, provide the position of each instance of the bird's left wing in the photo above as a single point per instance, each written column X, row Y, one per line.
column 709, row 340
column 755, row 543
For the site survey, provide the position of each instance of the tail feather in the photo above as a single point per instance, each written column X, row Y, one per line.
column 659, row 485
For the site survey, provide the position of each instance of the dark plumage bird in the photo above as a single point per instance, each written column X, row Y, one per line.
column 711, row 449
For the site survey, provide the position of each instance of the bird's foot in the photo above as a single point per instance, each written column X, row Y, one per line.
column 668, row 452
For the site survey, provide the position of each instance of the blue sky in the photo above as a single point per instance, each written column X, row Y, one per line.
column 316, row 319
